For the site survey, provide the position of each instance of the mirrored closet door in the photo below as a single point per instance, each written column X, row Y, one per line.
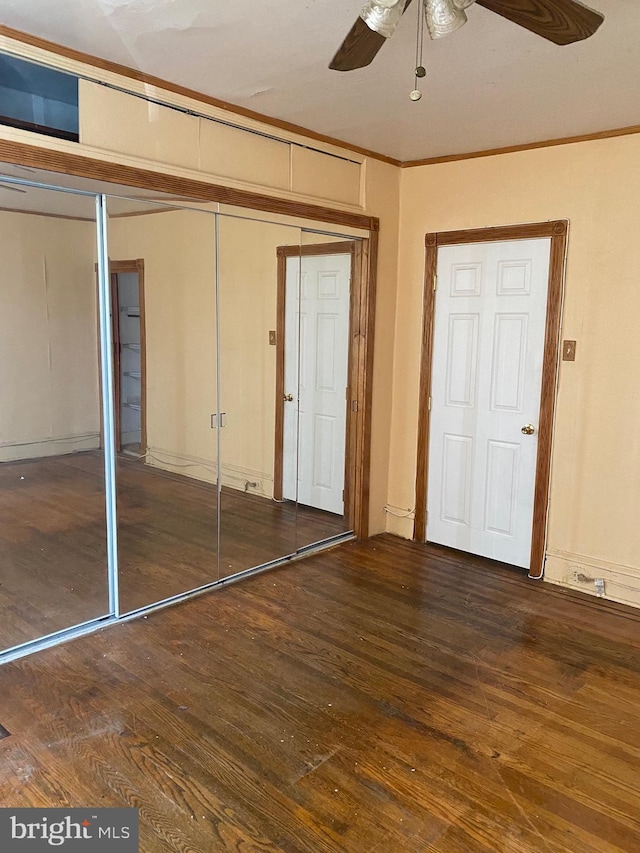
column 321, row 316
column 53, row 541
column 162, row 273
column 258, row 524
column 177, row 397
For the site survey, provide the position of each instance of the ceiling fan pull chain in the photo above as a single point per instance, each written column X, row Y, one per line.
column 420, row 70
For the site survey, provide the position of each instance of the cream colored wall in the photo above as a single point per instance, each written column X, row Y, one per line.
column 248, row 292
column 383, row 196
column 178, row 249
column 595, row 498
column 48, row 337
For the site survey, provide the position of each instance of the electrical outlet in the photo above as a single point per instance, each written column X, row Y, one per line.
column 599, row 585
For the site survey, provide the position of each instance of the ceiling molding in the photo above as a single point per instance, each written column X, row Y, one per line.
column 528, row 146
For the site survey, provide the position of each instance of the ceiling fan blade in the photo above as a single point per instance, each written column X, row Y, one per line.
column 559, row 21
column 359, row 47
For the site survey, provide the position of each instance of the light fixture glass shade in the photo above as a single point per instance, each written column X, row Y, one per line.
column 383, row 16
column 444, row 16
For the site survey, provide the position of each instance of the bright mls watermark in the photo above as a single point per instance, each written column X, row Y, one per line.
column 70, row 830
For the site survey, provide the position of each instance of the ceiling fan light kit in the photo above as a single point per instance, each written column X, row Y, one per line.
column 559, row 21
column 383, row 16
column 444, row 16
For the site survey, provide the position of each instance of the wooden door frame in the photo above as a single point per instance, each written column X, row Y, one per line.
column 115, row 268
column 557, row 232
column 353, row 499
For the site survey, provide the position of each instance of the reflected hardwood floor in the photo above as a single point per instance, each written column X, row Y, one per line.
column 53, row 543
column 381, row 697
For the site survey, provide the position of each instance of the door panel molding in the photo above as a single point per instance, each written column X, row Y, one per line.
column 360, row 352
column 557, row 232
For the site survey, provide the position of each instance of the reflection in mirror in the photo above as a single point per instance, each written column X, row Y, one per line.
column 319, row 310
column 163, row 306
column 53, row 554
column 257, row 524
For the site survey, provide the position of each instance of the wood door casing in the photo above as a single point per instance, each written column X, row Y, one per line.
column 557, row 232
column 353, row 504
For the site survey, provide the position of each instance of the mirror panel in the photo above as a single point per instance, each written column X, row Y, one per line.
column 322, row 313
column 53, row 551
column 257, row 521
column 163, row 286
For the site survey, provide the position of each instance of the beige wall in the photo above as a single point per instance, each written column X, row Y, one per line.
column 383, row 198
column 248, row 292
column 48, row 337
column 595, row 494
column 178, row 249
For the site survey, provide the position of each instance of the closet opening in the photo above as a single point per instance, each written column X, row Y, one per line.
column 129, row 356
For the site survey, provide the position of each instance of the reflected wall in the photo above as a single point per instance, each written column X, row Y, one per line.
column 167, row 480
column 256, row 525
column 53, row 554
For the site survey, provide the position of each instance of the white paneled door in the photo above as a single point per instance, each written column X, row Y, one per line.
column 316, row 369
column 488, row 346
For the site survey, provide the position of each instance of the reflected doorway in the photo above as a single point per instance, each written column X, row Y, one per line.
column 312, row 388
column 129, row 355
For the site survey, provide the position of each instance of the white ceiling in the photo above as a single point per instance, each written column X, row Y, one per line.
column 489, row 85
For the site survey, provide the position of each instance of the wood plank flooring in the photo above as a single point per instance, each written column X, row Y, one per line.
column 53, row 555
column 383, row 696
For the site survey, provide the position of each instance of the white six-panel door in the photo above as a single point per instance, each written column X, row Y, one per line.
column 316, row 370
column 489, row 327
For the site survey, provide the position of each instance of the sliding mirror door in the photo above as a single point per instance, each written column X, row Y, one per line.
column 163, row 305
column 53, row 542
column 257, row 521
column 320, row 311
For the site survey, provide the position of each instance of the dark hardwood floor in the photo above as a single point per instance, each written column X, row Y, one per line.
column 383, row 696
column 53, row 554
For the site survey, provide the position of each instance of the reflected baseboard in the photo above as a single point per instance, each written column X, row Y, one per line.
column 55, row 446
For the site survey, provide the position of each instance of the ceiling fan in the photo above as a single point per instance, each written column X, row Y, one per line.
column 559, row 21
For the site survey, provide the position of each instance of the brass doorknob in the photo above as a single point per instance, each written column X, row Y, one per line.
column 288, row 398
column 528, row 429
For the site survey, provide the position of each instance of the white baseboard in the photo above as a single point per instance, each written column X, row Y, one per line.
column 57, row 446
column 575, row 571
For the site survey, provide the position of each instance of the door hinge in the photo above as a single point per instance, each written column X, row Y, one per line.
column 429, row 404
column 435, row 283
